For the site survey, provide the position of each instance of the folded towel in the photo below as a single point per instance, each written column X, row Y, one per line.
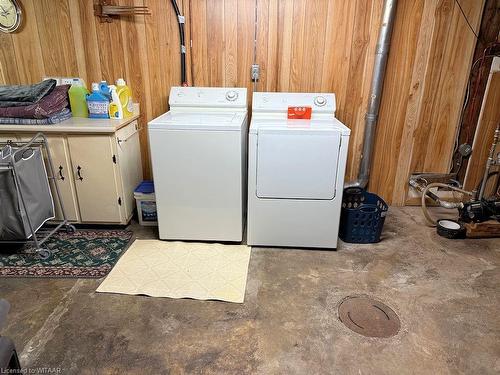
column 52, row 103
column 54, row 119
column 19, row 95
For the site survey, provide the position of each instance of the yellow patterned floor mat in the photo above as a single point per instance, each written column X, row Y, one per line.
column 181, row 270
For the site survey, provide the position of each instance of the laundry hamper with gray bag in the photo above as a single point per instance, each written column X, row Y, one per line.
column 34, row 186
column 25, row 198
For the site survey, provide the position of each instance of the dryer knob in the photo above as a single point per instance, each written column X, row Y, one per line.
column 231, row 95
column 320, row 101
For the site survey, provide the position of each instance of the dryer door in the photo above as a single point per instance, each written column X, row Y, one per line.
column 297, row 164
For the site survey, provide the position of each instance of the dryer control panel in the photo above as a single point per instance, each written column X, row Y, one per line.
column 208, row 97
column 281, row 102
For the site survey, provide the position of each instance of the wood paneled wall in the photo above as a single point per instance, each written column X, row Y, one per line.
column 320, row 45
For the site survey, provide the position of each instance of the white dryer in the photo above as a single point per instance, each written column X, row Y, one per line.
column 295, row 171
column 198, row 153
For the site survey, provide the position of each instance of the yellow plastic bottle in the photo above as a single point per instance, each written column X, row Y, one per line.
column 125, row 95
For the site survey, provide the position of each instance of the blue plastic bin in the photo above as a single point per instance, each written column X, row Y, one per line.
column 145, row 198
column 362, row 216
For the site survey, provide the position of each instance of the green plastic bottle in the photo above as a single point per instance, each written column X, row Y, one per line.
column 78, row 99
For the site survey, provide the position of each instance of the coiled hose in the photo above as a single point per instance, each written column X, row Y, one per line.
column 430, row 221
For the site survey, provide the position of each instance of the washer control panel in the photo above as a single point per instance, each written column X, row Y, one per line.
column 281, row 102
column 216, row 97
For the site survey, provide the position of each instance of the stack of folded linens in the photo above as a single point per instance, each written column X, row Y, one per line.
column 40, row 104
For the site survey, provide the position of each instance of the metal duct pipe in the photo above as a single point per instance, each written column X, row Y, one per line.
column 371, row 117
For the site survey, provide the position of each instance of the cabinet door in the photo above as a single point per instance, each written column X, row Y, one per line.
column 61, row 165
column 129, row 162
column 5, row 137
column 95, row 178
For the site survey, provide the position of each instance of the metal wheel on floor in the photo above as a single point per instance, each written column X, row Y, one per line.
column 70, row 228
column 44, row 253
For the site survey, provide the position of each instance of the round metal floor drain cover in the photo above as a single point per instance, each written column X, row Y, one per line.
column 368, row 317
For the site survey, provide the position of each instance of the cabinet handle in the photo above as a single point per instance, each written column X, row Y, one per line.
column 61, row 177
column 78, row 169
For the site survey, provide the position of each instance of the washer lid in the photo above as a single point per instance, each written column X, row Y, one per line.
column 231, row 121
column 279, row 125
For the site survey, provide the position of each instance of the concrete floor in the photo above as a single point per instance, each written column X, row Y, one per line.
column 446, row 292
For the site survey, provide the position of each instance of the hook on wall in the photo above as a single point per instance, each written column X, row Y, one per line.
column 106, row 11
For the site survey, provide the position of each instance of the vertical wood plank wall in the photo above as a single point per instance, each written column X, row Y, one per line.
column 302, row 45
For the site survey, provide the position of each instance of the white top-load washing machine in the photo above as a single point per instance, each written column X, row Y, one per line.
column 295, row 170
column 198, row 152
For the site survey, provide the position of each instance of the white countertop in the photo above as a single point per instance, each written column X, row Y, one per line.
column 75, row 125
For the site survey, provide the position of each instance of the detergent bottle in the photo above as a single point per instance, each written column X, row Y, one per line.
column 104, row 88
column 125, row 95
column 78, row 99
column 115, row 107
column 97, row 103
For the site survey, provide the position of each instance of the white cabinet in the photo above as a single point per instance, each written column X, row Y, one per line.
column 96, row 171
column 96, row 178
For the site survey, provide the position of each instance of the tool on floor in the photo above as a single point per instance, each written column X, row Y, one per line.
column 25, row 195
column 450, row 229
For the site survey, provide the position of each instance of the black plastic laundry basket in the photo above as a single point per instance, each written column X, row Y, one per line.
column 362, row 217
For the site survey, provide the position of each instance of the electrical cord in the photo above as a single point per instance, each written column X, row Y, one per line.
column 180, row 21
column 467, row 20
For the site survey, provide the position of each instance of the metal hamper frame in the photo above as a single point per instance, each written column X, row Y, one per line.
column 39, row 140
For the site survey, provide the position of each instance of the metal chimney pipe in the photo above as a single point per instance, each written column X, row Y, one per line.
column 371, row 117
